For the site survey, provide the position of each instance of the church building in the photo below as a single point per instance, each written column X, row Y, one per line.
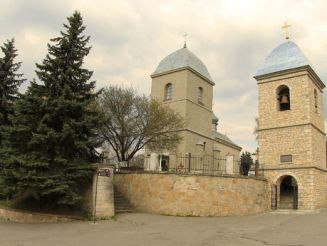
column 292, row 145
column 182, row 82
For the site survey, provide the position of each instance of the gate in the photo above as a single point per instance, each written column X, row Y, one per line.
column 274, row 197
column 295, row 197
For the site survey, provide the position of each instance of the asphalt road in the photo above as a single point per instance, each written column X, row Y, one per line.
column 145, row 229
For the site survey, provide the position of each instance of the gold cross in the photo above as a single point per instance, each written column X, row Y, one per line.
column 286, row 27
column 185, row 39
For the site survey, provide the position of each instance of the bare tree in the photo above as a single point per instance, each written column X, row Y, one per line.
column 132, row 121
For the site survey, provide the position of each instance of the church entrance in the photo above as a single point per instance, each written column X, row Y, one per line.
column 164, row 162
column 288, row 193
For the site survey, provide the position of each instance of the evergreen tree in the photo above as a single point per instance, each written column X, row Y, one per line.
column 246, row 162
column 10, row 80
column 51, row 143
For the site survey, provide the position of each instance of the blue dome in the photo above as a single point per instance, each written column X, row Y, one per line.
column 285, row 56
column 182, row 58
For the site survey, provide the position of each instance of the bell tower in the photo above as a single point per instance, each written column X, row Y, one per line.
column 292, row 145
column 182, row 82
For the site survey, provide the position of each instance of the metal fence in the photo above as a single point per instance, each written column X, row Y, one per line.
column 136, row 163
column 204, row 164
column 181, row 164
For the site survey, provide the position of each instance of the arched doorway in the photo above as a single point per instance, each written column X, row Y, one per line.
column 288, row 193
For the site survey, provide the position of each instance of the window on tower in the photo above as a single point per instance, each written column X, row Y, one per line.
column 200, row 95
column 168, row 91
column 283, row 98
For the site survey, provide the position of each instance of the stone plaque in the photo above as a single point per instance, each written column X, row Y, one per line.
column 286, row 158
column 104, row 172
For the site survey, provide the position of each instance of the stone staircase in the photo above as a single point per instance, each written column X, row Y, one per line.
column 286, row 202
column 122, row 205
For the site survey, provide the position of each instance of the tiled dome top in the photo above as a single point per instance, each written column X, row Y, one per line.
column 285, row 56
column 182, row 58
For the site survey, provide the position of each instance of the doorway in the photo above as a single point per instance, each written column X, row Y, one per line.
column 288, row 193
column 164, row 163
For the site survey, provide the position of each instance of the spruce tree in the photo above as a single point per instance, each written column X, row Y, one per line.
column 246, row 162
column 51, row 143
column 10, row 80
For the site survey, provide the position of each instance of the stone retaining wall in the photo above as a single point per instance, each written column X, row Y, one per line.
column 29, row 217
column 193, row 195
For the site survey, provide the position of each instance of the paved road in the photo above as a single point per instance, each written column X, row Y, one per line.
column 144, row 229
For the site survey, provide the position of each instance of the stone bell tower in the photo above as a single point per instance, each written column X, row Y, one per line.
column 292, row 145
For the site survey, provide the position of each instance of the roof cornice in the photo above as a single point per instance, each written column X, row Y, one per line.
column 234, row 146
column 153, row 75
column 313, row 75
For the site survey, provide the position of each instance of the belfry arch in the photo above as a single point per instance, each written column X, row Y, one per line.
column 283, row 98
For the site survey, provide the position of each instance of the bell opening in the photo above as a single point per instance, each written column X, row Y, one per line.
column 284, row 99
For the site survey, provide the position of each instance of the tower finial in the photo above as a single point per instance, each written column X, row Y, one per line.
column 185, row 39
column 286, row 27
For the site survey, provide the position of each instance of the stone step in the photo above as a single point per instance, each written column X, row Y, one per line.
column 120, row 198
column 121, row 201
column 122, row 205
column 286, row 205
column 122, row 211
column 287, row 201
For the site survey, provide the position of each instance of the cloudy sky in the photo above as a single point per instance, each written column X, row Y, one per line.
column 130, row 37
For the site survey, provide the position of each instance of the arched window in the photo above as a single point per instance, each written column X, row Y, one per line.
column 168, row 91
column 200, row 95
column 283, row 98
column 316, row 98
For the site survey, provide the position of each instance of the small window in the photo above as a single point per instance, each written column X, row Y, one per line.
column 200, row 95
column 168, row 91
column 283, row 98
column 316, row 99
column 286, row 158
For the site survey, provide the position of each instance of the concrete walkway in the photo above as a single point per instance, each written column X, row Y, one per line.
column 145, row 229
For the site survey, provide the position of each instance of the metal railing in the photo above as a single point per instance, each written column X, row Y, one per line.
column 181, row 164
column 204, row 164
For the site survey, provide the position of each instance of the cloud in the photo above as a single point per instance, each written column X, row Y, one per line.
column 129, row 38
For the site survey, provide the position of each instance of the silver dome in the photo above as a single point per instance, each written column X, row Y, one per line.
column 182, row 58
column 285, row 56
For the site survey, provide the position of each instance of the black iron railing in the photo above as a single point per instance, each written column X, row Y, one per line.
column 182, row 164
column 205, row 164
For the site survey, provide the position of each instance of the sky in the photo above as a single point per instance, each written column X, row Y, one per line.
column 129, row 38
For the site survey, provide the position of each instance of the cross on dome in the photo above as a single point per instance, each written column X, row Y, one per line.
column 185, row 39
column 286, row 27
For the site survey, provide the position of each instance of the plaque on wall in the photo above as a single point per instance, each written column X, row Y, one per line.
column 104, row 172
column 286, row 158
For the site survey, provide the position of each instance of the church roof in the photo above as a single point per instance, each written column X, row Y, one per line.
column 224, row 138
column 284, row 57
column 182, row 58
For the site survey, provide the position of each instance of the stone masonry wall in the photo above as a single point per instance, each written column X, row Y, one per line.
column 294, row 140
column 318, row 149
column 302, row 110
column 103, row 193
column 312, row 189
column 320, row 187
column 299, row 131
column 193, row 195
